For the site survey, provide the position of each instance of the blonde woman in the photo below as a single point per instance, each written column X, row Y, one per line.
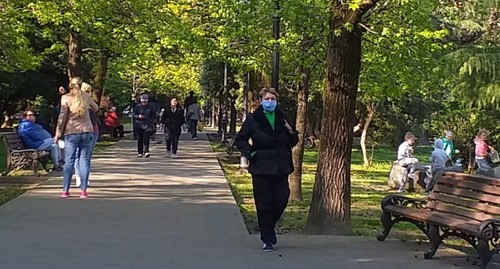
column 93, row 119
column 75, row 125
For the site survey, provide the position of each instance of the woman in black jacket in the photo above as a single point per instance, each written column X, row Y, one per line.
column 270, row 156
column 172, row 119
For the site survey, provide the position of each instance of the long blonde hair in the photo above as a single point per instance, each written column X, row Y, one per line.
column 78, row 103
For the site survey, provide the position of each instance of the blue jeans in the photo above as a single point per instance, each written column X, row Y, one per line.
column 55, row 152
column 77, row 146
column 95, row 136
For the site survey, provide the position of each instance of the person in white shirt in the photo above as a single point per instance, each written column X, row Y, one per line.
column 406, row 159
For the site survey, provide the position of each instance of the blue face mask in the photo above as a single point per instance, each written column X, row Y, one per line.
column 269, row 105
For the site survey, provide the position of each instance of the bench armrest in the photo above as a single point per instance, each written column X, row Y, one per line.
column 401, row 200
column 33, row 153
column 489, row 230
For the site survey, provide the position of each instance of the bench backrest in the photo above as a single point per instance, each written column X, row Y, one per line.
column 12, row 140
column 470, row 196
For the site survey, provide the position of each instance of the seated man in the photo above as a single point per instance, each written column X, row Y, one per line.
column 35, row 137
column 111, row 120
column 405, row 158
column 439, row 160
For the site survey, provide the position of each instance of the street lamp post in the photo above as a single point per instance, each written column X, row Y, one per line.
column 276, row 53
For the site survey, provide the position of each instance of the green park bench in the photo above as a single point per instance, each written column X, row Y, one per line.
column 461, row 205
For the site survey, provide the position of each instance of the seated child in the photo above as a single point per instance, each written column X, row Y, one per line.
column 405, row 158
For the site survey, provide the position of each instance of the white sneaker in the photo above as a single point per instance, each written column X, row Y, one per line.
column 146, row 155
column 173, row 156
column 168, row 155
column 78, row 181
column 139, row 155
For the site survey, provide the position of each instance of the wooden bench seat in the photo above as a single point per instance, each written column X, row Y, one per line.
column 19, row 157
column 462, row 205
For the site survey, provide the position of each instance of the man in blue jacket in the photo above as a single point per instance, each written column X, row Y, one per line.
column 35, row 137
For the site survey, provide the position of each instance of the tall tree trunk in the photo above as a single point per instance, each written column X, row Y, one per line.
column 369, row 118
column 219, row 116
column 74, row 55
column 214, row 114
column 234, row 116
column 301, row 125
column 100, row 75
column 330, row 211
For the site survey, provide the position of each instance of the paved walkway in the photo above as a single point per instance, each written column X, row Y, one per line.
column 164, row 213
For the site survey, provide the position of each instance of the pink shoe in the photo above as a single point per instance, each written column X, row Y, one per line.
column 65, row 194
column 84, row 195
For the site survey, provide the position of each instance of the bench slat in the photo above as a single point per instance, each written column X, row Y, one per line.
column 483, row 197
column 472, row 204
column 455, row 210
column 474, row 185
column 437, row 218
column 476, row 178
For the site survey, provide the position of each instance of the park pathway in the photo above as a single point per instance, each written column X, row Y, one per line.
column 172, row 213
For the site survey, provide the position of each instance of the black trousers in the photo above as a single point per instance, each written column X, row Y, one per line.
column 193, row 127
column 172, row 139
column 118, row 132
column 143, row 140
column 271, row 198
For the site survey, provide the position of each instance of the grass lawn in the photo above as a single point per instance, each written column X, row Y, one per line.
column 369, row 186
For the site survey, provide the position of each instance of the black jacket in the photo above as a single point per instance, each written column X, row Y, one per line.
column 149, row 113
column 273, row 148
column 172, row 120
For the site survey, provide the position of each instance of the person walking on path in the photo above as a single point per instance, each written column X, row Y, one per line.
column 75, row 125
column 193, row 116
column 94, row 120
column 172, row 119
column 270, row 157
column 34, row 136
column 144, row 114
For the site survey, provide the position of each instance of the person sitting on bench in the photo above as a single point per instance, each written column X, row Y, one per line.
column 112, row 121
column 406, row 159
column 34, row 136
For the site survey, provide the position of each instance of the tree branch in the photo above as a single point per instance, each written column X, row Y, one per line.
column 367, row 28
column 367, row 5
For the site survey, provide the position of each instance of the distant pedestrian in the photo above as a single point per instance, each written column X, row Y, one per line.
column 172, row 119
column 193, row 116
column 144, row 115
column 75, row 125
column 270, row 157
column 111, row 120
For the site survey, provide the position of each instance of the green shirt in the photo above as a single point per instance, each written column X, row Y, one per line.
column 271, row 117
column 448, row 147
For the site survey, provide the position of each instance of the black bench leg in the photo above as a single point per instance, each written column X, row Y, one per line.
column 485, row 254
column 387, row 223
column 435, row 239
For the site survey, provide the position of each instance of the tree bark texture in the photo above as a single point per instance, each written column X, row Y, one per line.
column 330, row 206
column 234, row 116
column 100, row 72
column 301, row 125
column 74, row 55
column 369, row 118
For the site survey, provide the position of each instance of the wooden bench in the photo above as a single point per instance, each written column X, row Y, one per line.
column 462, row 205
column 19, row 157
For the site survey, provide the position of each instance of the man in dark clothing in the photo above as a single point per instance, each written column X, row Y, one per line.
column 191, row 99
column 145, row 115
